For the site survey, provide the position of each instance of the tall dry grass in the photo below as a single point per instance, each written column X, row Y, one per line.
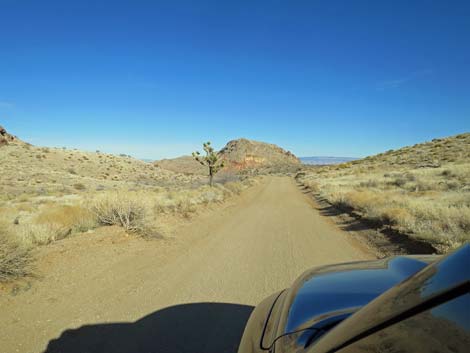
column 429, row 204
column 52, row 222
column 15, row 258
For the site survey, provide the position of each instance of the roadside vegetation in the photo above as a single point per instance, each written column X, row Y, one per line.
column 51, row 194
column 15, row 258
column 422, row 191
column 26, row 224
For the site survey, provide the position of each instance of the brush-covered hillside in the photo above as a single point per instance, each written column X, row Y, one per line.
column 240, row 156
column 28, row 169
column 421, row 190
column 184, row 164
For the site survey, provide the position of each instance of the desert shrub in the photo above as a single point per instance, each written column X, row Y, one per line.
column 233, row 186
column 451, row 185
column 397, row 216
column 421, row 185
column 447, row 173
column 15, row 258
column 72, row 171
column 398, row 181
column 185, row 207
column 127, row 211
column 79, row 186
column 312, row 185
column 369, row 183
column 209, row 196
column 367, row 202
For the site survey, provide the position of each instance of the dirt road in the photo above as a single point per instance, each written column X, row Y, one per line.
column 192, row 293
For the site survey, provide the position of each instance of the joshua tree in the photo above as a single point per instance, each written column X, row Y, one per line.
column 210, row 160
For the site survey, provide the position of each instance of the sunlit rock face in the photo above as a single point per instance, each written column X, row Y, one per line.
column 244, row 154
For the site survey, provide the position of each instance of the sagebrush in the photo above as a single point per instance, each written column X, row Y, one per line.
column 15, row 258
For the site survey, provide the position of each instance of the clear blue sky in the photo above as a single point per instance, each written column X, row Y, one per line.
column 156, row 78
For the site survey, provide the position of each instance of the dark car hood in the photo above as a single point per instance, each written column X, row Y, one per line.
column 340, row 290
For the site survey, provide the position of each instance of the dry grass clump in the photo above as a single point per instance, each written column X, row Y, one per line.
column 15, row 258
column 74, row 218
column 53, row 222
column 40, row 234
column 430, row 203
column 312, row 185
column 122, row 209
column 42, row 220
column 234, row 187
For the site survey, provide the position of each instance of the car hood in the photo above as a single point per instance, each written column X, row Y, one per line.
column 324, row 296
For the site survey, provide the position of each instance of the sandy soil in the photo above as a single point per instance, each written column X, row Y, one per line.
column 107, row 292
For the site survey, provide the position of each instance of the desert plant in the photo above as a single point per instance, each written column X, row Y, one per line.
column 234, row 186
column 15, row 259
column 210, row 160
column 121, row 210
column 79, row 186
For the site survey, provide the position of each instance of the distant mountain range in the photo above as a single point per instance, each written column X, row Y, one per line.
column 322, row 160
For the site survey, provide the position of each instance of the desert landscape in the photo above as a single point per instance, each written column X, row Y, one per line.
column 88, row 238
column 234, row 176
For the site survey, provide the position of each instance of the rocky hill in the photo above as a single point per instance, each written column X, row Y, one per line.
column 6, row 138
column 240, row 155
column 244, row 154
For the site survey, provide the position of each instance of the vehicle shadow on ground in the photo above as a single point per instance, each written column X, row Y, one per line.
column 195, row 328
